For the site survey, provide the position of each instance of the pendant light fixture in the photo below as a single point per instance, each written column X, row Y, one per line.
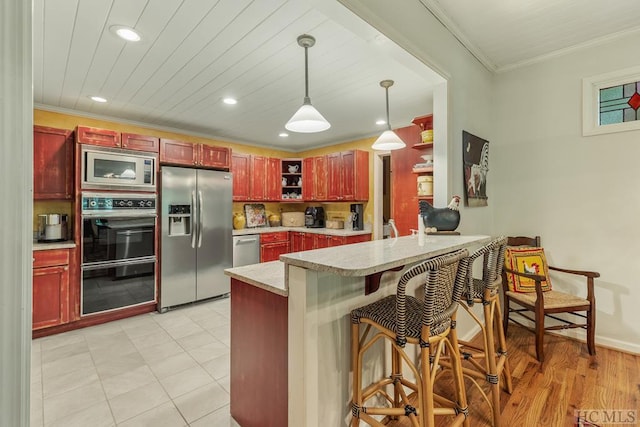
column 389, row 140
column 307, row 119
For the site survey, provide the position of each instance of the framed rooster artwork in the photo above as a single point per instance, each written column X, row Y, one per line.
column 475, row 157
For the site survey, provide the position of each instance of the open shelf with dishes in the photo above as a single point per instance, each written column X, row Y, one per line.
column 291, row 180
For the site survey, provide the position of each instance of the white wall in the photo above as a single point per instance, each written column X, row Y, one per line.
column 580, row 194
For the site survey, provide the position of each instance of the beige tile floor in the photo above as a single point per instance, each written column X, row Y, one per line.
column 161, row 370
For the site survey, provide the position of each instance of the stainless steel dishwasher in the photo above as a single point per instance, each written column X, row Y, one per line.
column 246, row 249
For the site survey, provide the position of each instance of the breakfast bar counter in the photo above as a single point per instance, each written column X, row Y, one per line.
column 290, row 362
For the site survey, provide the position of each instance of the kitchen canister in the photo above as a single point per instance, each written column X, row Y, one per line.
column 427, row 135
column 425, row 185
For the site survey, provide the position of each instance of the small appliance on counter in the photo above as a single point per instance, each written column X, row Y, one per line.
column 357, row 214
column 314, row 217
column 52, row 227
column 293, row 219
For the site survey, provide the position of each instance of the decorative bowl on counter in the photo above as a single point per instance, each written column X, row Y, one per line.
column 274, row 220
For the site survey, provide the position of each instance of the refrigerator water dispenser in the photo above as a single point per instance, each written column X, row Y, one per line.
column 179, row 220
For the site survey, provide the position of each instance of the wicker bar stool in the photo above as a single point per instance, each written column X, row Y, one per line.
column 400, row 319
column 490, row 361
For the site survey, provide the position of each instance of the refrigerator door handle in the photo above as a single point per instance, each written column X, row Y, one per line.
column 193, row 226
column 199, row 218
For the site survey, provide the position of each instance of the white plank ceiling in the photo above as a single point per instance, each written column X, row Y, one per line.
column 505, row 34
column 193, row 53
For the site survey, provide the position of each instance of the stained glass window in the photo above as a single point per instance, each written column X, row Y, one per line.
column 619, row 104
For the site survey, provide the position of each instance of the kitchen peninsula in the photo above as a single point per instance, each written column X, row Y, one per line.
column 290, row 362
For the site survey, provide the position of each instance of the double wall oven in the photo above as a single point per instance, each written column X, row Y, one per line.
column 118, row 250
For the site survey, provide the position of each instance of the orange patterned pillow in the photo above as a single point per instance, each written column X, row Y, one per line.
column 526, row 260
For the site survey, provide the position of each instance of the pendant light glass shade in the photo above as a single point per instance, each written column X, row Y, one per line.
column 307, row 119
column 389, row 140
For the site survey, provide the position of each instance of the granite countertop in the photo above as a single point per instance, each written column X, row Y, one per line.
column 267, row 275
column 359, row 259
column 328, row 231
column 39, row 246
column 363, row 259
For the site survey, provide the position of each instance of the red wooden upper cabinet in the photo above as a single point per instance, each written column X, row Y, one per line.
column 334, row 176
column 184, row 153
column 52, row 163
column 348, row 175
column 355, row 175
column 240, row 167
column 178, row 152
column 214, row 157
column 308, row 180
column 96, row 136
column 273, row 183
column 320, row 180
column 258, row 185
column 132, row 141
column 314, row 178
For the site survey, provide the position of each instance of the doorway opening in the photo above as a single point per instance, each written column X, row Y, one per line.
column 386, row 194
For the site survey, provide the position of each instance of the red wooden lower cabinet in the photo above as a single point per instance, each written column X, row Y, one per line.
column 50, row 301
column 357, row 239
column 272, row 245
column 300, row 241
column 259, row 390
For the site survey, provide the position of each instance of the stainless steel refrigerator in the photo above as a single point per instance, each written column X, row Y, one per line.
column 196, row 244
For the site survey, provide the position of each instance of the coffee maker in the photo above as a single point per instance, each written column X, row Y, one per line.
column 314, row 217
column 357, row 214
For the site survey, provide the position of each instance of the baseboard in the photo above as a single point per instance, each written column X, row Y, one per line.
column 610, row 343
column 601, row 341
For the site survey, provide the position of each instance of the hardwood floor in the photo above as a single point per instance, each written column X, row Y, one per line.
column 547, row 395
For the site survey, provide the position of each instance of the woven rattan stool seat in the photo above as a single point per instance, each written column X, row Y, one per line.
column 383, row 312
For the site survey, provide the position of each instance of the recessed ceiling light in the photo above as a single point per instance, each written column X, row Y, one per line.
column 126, row 33
column 381, row 122
column 283, row 135
column 98, row 98
column 230, row 101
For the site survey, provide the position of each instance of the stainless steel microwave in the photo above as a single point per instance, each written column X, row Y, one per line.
column 109, row 168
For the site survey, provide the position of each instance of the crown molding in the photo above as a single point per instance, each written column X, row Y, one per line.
column 434, row 8
column 568, row 50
